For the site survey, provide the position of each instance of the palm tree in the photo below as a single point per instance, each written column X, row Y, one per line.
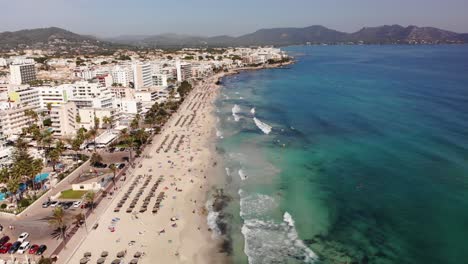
column 96, row 123
column 54, row 157
column 113, row 168
column 127, row 138
column 80, row 218
column 95, row 158
column 106, row 121
column 57, row 221
column 92, row 134
column 76, row 145
column 89, row 198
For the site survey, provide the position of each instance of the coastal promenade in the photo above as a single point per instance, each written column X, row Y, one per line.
column 171, row 177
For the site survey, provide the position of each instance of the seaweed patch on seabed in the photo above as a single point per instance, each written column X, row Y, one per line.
column 220, row 202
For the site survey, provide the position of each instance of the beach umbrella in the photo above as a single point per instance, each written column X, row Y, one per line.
column 87, row 254
column 121, row 254
column 134, row 261
column 137, row 254
column 84, row 260
column 104, row 254
column 100, row 260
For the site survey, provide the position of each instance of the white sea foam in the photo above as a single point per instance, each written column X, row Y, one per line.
column 212, row 218
column 241, row 98
column 242, row 174
column 228, row 172
column 252, row 111
column 219, row 134
column 263, row 126
column 235, row 110
column 267, row 240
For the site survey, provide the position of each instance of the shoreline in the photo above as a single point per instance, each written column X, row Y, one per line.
column 190, row 169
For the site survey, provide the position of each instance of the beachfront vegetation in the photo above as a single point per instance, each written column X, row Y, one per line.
column 72, row 194
column 57, row 221
column 89, row 198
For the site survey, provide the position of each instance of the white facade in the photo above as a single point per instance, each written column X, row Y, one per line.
column 160, row 80
column 122, row 75
column 13, row 118
column 184, row 71
column 142, row 75
column 22, row 73
column 54, row 95
column 129, row 106
column 63, row 119
column 87, row 116
column 24, row 95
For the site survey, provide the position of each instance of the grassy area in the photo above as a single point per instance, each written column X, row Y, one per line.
column 71, row 194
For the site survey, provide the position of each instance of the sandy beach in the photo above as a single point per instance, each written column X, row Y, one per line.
column 176, row 167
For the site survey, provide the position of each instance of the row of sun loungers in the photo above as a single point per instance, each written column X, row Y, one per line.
column 185, row 120
column 181, row 140
column 138, row 194
column 169, row 146
column 162, row 144
column 178, row 120
column 157, row 205
column 127, row 194
column 148, row 197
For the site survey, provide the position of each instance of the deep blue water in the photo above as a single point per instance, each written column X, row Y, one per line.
column 368, row 154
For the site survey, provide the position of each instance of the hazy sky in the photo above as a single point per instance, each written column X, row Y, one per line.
column 232, row 17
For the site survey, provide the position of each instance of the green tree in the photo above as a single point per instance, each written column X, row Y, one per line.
column 113, row 168
column 89, row 198
column 78, row 118
column 54, row 157
column 96, row 122
column 95, row 158
column 57, row 221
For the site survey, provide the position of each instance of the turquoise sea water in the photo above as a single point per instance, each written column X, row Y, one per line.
column 366, row 161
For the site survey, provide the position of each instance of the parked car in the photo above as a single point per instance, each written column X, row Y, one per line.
column 23, row 237
column 67, row 205
column 111, row 150
column 3, row 240
column 122, row 149
column 77, row 204
column 14, row 247
column 54, row 203
column 1, row 228
column 121, row 166
column 100, row 165
column 46, row 204
column 5, row 248
column 41, row 250
column 33, row 249
column 24, row 247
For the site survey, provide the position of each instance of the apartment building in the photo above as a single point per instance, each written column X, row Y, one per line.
column 142, row 75
column 160, row 80
column 63, row 117
column 13, row 117
column 22, row 73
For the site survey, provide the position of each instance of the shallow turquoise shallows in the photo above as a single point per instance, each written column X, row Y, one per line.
column 354, row 154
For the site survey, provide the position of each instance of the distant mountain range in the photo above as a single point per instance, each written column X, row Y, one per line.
column 393, row 34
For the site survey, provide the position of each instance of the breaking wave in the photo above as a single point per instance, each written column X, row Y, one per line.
column 262, row 126
column 235, row 110
column 242, row 174
column 252, row 111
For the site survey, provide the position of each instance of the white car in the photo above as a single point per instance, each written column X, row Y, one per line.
column 76, row 204
column 54, row 203
column 23, row 237
column 24, row 247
